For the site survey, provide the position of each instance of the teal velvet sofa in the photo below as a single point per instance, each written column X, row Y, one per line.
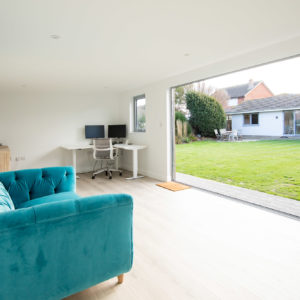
column 54, row 243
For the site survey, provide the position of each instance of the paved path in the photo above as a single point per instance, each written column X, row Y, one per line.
column 285, row 205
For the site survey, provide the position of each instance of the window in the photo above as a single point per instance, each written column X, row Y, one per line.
column 139, row 113
column 232, row 102
column 254, row 119
column 289, row 122
column 247, row 119
column 251, row 119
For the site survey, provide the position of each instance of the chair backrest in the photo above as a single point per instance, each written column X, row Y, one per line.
column 216, row 132
column 234, row 132
column 103, row 149
column 222, row 130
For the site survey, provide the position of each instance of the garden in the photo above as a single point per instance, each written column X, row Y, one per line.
column 270, row 166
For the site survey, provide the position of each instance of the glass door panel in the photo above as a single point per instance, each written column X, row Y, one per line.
column 297, row 121
column 289, row 122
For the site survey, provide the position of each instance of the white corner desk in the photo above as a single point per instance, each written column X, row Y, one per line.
column 74, row 148
column 133, row 148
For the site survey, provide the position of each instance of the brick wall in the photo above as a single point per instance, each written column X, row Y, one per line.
column 240, row 100
column 260, row 91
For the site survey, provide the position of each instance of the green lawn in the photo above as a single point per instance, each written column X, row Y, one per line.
column 269, row 166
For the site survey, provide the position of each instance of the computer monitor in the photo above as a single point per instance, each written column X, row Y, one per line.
column 94, row 131
column 116, row 131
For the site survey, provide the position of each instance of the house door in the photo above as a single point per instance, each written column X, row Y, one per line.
column 289, row 122
column 297, row 121
column 229, row 123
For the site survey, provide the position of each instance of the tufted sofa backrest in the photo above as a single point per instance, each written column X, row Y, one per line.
column 25, row 185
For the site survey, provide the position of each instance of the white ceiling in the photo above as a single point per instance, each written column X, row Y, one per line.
column 123, row 44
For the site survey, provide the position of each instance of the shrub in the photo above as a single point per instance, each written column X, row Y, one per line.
column 185, row 140
column 206, row 113
column 178, row 140
column 180, row 116
column 193, row 138
column 189, row 129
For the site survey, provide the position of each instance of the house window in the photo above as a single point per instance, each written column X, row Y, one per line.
column 247, row 119
column 254, row 119
column 289, row 123
column 251, row 119
column 139, row 104
column 233, row 102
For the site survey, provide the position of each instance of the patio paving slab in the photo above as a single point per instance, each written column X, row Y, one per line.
column 281, row 204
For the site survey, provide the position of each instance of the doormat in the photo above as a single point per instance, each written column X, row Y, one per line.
column 173, row 186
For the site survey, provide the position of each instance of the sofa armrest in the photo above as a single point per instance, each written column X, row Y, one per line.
column 62, row 209
column 16, row 219
column 65, row 247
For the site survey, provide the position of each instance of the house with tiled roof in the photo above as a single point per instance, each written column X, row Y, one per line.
column 272, row 116
column 240, row 93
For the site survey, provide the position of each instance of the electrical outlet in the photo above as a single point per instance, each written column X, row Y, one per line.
column 18, row 158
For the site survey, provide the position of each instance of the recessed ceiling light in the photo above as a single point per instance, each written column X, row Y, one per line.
column 186, row 54
column 55, row 36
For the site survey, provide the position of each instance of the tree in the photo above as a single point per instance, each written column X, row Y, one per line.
column 179, row 95
column 221, row 96
column 203, row 88
column 206, row 114
column 142, row 121
column 180, row 103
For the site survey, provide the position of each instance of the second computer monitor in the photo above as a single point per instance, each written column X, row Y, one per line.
column 116, row 131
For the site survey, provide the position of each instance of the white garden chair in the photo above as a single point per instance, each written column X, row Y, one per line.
column 218, row 136
column 223, row 133
column 233, row 135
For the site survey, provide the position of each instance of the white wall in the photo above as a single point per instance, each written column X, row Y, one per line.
column 36, row 124
column 270, row 124
column 155, row 161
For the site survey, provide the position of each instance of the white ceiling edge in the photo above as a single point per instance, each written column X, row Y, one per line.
column 271, row 52
column 128, row 44
column 256, row 56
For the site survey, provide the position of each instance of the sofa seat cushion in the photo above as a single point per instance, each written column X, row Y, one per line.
column 50, row 198
column 6, row 204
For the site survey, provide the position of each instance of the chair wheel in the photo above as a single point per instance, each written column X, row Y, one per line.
column 110, row 177
column 93, row 177
column 120, row 174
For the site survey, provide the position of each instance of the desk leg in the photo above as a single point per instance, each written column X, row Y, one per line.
column 117, row 159
column 135, row 165
column 74, row 161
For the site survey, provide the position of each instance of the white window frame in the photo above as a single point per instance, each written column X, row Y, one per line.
column 250, row 115
column 230, row 102
column 135, row 119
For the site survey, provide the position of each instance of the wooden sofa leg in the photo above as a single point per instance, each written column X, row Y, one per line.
column 120, row 278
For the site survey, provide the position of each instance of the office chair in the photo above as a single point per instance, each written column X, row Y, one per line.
column 104, row 152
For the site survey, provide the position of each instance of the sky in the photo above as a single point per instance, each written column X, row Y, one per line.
column 280, row 77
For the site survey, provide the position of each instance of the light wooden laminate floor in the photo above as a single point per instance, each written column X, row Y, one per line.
column 196, row 245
